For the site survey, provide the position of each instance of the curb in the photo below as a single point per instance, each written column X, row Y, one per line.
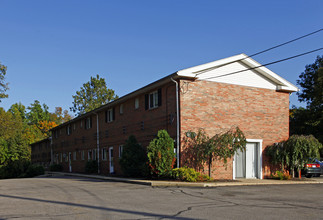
column 155, row 183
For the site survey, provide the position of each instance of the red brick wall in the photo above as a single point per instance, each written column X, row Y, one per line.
column 259, row 113
column 112, row 133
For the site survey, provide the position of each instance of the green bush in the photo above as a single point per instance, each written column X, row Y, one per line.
column 14, row 169
column 56, row 168
column 161, row 154
column 34, row 170
column 188, row 175
column 91, row 166
column 281, row 176
column 133, row 160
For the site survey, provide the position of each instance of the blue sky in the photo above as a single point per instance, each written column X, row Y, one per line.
column 52, row 47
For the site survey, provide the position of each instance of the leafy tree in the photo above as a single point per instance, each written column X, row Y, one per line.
column 311, row 81
column 37, row 113
column 202, row 149
column 18, row 110
column 60, row 116
column 295, row 152
column 92, row 95
column 133, row 159
column 161, row 154
column 3, row 85
column 309, row 120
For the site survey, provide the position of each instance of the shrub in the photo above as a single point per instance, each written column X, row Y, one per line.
column 34, row 170
column 14, row 169
column 133, row 160
column 91, row 166
column 56, row 167
column 161, row 154
column 188, row 175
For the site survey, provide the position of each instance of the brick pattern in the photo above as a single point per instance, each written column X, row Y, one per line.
column 144, row 124
column 216, row 107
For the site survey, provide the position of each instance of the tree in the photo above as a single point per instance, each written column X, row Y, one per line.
column 92, row 95
column 295, row 152
column 60, row 116
column 311, row 81
column 202, row 149
column 3, row 85
column 133, row 159
column 37, row 113
column 161, row 156
column 309, row 120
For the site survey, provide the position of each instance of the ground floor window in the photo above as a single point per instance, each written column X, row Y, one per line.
column 74, row 155
column 94, row 154
column 120, row 150
column 82, row 155
column 89, row 155
column 104, row 154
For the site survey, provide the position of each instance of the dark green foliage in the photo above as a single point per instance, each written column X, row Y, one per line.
column 34, row 170
column 91, row 166
column 188, row 175
column 161, row 154
column 295, row 152
column 200, row 149
column 133, row 161
column 92, row 95
column 309, row 120
column 56, row 168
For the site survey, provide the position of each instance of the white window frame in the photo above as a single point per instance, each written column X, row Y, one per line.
column 69, row 129
column 104, row 154
column 136, row 103
column 120, row 150
column 88, row 123
column 153, row 99
column 110, row 115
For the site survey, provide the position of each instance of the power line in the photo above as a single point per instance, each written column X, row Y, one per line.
column 266, row 50
column 267, row 64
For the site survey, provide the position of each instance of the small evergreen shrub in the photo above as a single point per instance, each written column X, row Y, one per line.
column 34, row 170
column 161, row 154
column 188, row 175
column 91, row 166
column 133, row 160
column 56, row 168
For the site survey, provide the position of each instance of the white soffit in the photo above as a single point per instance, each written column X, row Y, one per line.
column 219, row 71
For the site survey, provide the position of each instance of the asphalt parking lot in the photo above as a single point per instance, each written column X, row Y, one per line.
column 82, row 198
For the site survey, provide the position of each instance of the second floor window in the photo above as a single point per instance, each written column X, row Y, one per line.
column 153, row 99
column 88, row 123
column 69, row 129
column 109, row 115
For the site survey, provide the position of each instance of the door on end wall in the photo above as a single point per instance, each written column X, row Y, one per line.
column 111, row 166
column 246, row 162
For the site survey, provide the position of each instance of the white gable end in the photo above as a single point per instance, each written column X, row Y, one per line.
column 236, row 70
column 246, row 78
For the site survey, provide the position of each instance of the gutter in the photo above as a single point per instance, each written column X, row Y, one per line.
column 177, row 122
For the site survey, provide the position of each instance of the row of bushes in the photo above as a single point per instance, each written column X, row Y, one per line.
column 157, row 162
column 20, row 169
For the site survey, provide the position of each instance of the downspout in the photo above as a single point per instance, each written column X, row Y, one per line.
column 177, row 123
column 98, row 140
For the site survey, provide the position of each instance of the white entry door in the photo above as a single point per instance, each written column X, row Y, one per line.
column 111, row 166
column 246, row 162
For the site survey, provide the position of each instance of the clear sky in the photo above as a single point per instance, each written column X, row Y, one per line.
column 52, row 47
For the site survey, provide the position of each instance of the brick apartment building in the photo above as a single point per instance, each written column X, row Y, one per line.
column 214, row 96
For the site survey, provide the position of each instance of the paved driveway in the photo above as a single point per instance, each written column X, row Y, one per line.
column 80, row 198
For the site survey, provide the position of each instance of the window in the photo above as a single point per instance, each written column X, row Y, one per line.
column 136, row 103
column 88, row 123
column 104, row 154
column 120, row 150
column 74, row 155
column 82, row 155
column 94, row 154
column 68, row 129
column 153, row 100
column 61, row 157
column 56, row 134
column 66, row 158
column 89, row 155
column 109, row 115
column 121, row 109
column 74, row 126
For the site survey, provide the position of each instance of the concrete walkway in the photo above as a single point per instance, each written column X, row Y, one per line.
column 239, row 182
